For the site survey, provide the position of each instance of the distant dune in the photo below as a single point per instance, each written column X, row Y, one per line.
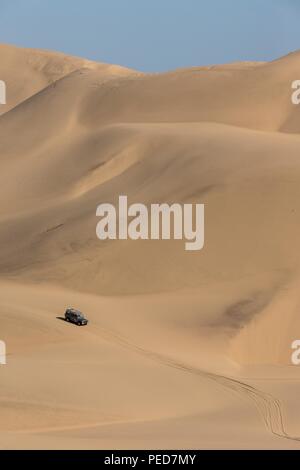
column 28, row 71
column 183, row 349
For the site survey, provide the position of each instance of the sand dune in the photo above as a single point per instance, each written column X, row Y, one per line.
column 28, row 71
column 177, row 340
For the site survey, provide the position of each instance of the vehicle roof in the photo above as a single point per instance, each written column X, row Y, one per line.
column 73, row 310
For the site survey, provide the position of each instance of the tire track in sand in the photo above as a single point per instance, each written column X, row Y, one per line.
column 268, row 406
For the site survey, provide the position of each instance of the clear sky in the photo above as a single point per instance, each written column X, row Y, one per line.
column 155, row 35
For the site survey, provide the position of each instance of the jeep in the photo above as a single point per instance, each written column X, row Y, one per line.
column 75, row 316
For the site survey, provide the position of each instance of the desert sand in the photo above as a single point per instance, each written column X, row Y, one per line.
column 183, row 349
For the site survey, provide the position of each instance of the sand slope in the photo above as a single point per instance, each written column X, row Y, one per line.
column 177, row 340
column 27, row 71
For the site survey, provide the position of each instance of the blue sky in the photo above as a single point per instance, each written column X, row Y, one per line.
column 155, row 35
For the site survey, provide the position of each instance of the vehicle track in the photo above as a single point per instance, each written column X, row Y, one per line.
column 268, row 406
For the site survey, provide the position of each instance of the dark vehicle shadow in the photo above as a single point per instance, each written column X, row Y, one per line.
column 61, row 318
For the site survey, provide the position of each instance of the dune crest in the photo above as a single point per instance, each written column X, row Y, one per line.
column 28, row 71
